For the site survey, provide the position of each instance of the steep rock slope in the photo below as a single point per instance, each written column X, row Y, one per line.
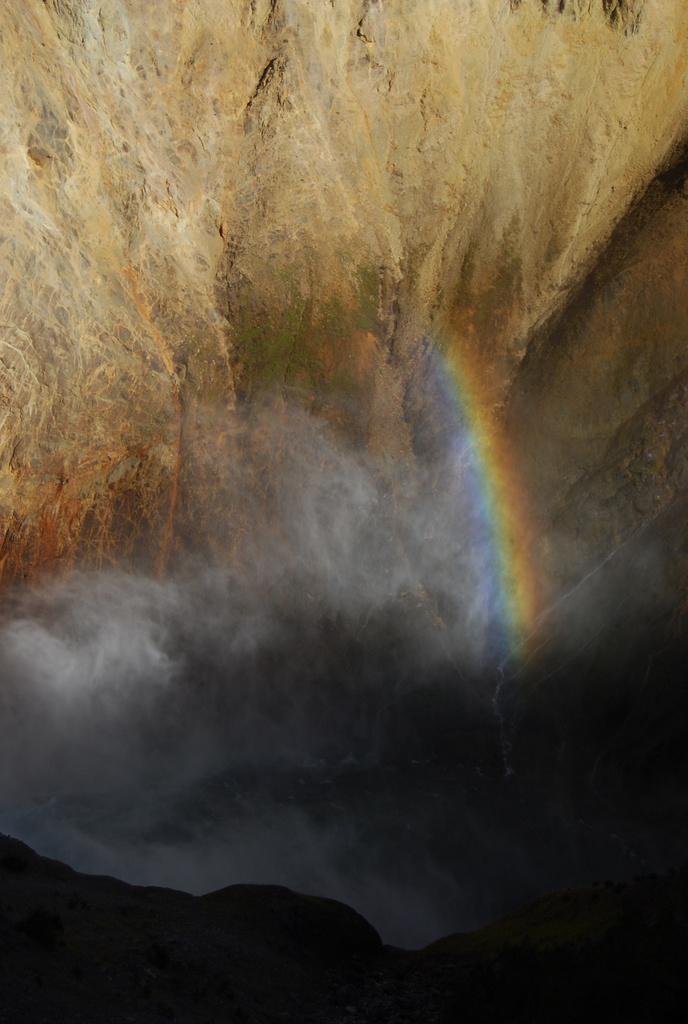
column 599, row 412
column 599, row 404
column 202, row 202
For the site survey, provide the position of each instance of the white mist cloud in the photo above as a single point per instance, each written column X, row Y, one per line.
column 350, row 587
column 246, row 722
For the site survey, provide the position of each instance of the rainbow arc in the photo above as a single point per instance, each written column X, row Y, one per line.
column 502, row 506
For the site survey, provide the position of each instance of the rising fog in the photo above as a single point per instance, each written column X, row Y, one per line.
column 316, row 712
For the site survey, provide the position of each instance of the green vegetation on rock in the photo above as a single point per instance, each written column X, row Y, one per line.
column 307, row 346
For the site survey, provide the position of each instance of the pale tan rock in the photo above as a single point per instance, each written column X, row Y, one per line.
column 193, row 193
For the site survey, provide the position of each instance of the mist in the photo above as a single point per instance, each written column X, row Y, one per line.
column 315, row 710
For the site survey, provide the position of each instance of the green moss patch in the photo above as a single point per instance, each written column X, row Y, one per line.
column 307, row 346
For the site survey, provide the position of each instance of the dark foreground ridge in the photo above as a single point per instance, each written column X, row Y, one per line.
column 78, row 948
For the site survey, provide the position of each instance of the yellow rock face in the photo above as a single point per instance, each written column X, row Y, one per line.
column 202, row 201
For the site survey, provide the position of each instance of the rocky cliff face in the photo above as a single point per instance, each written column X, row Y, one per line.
column 204, row 203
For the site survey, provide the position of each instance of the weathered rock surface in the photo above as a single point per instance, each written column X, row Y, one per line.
column 205, row 201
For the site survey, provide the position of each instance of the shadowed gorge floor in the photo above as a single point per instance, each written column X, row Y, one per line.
column 85, row 946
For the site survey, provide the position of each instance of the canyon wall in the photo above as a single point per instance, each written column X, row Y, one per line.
column 210, row 205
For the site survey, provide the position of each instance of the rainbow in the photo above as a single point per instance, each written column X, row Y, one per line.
column 500, row 499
